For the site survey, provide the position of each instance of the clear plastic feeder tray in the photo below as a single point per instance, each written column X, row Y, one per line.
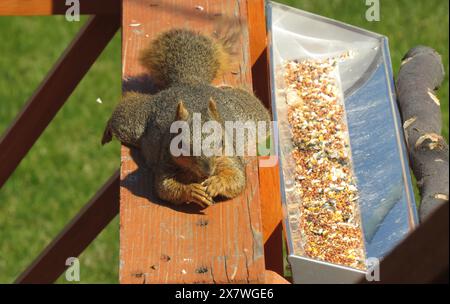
column 386, row 206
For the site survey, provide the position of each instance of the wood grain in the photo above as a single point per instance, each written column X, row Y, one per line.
column 160, row 243
column 269, row 177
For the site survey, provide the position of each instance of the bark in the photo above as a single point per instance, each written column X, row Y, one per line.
column 419, row 77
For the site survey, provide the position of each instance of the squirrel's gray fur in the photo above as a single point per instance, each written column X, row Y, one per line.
column 184, row 62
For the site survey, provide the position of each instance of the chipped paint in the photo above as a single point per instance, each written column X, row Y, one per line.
column 441, row 196
column 409, row 122
column 434, row 97
column 433, row 137
column 406, row 61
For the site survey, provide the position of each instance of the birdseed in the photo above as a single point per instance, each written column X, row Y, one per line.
column 326, row 220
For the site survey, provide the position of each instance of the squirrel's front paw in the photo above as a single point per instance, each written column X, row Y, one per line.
column 226, row 187
column 214, row 186
column 197, row 194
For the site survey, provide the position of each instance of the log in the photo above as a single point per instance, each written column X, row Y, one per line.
column 420, row 75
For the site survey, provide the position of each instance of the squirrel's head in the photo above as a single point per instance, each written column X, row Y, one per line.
column 199, row 149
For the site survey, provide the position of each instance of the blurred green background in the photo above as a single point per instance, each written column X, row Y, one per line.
column 67, row 165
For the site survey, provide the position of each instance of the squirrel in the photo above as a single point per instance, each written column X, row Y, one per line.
column 184, row 63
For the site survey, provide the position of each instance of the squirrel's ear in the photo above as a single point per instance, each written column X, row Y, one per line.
column 182, row 112
column 212, row 108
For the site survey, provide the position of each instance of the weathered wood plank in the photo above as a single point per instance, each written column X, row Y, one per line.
column 269, row 177
column 56, row 7
column 162, row 244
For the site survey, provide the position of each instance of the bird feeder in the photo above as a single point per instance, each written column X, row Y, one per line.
column 346, row 186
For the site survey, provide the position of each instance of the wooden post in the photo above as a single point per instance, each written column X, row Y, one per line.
column 422, row 257
column 163, row 244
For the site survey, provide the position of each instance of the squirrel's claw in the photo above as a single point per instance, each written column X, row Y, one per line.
column 213, row 186
column 199, row 196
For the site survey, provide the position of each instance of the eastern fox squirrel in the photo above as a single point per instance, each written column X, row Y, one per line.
column 184, row 63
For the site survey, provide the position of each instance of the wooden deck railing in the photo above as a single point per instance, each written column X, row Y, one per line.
column 42, row 107
column 104, row 206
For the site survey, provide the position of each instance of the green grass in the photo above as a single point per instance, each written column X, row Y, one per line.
column 67, row 164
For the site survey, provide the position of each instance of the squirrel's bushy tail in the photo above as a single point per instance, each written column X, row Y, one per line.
column 185, row 56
